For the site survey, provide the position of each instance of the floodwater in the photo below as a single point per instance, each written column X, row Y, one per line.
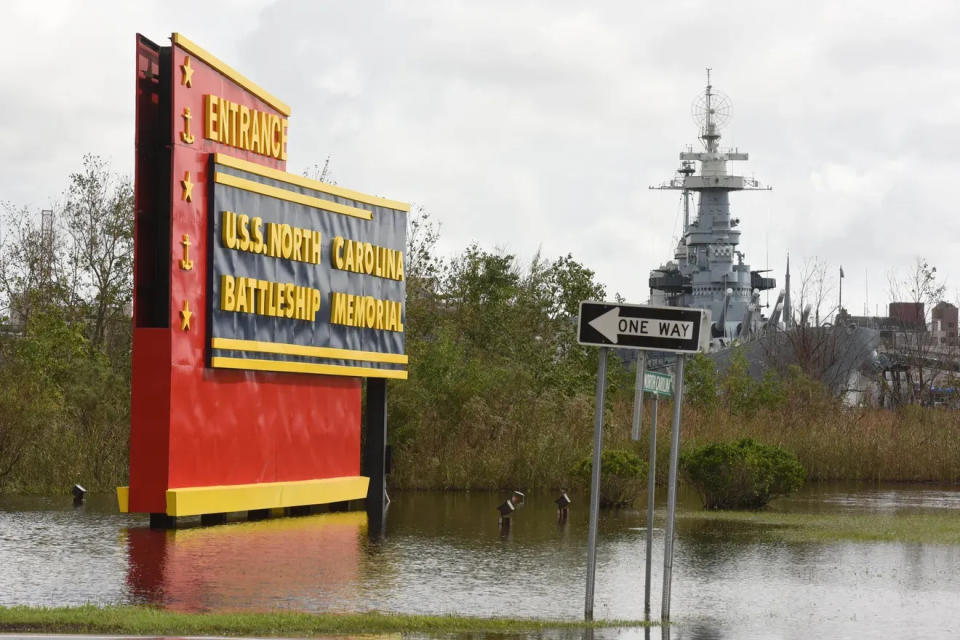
column 444, row 553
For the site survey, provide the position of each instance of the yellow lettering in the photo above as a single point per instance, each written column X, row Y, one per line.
column 272, row 299
column 274, row 235
column 337, row 253
column 286, row 240
column 265, row 145
column 288, row 300
column 257, row 236
column 348, row 250
column 228, row 229
column 254, row 132
column 234, row 123
column 316, row 247
column 245, row 127
column 351, row 307
column 297, row 243
column 358, row 256
column 338, row 309
column 243, row 222
column 228, row 300
column 252, row 284
column 359, row 311
column 367, row 257
column 223, row 120
column 301, row 303
column 314, row 304
column 283, row 141
column 241, row 294
column 210, row 122
column 275, row 136
column 399, row 267
column 262, row 296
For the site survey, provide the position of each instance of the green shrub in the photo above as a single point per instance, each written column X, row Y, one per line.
column 622, row 476
column 743, row 474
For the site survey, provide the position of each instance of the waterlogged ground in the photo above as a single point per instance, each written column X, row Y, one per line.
column 832, row 562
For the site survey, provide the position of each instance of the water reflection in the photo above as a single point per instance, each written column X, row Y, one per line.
column 445, row 553
column 306, row 562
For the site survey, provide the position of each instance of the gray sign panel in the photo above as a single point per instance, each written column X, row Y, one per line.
column 292, row 279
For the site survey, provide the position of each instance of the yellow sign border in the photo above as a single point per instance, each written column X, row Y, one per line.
column 301, row 181
column 196, row 50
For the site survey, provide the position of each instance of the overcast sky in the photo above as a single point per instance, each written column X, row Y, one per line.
column 540, row 125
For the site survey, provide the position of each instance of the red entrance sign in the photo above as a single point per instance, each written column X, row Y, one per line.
column 206, row 439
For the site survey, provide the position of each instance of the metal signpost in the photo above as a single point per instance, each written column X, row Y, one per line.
column 648, row 328
column 659, row 384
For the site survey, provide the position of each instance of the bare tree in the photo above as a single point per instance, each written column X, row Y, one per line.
column 816, row 344
column 33, row 272
column 911, row 344
column 813, row 295
column 98, row 215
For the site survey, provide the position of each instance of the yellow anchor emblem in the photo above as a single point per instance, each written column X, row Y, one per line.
column 185, row 135
column 186, row 263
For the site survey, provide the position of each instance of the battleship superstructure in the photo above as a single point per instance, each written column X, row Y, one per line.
column 707, row 270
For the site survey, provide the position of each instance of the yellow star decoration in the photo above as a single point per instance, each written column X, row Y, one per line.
column 187, row 78
column 187, row 187
column 185, row 315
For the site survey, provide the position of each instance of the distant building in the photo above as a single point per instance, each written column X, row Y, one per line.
column 908, row 315
column 943, row 324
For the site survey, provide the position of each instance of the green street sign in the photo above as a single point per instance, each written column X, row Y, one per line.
column 659, row 383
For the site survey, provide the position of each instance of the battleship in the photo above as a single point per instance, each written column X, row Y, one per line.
column 708, row 271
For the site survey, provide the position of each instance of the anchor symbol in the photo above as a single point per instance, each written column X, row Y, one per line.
column 185, row 135
column 186, row 263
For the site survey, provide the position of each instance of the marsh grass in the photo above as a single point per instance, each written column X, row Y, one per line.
column 914, row 444
column 925, row 528
column 534, row 442
column 139, row 620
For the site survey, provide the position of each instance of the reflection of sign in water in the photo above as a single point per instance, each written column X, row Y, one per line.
column 252, row 565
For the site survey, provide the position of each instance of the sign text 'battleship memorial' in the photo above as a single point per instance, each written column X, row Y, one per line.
column 262, row 300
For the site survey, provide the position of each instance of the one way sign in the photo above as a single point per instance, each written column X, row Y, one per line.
column 634, row 326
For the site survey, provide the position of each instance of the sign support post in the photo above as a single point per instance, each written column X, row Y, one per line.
column 374, row 450
column 595, row 483
column 638, row 396
column 672, row 491
column 647, row 328
column 651, row 495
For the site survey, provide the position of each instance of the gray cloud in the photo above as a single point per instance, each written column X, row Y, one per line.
column 531, row 125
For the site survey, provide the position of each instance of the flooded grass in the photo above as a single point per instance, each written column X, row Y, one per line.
column 927, row 528
column 141, row 620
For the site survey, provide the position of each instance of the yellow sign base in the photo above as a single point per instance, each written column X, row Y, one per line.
column 193, row 501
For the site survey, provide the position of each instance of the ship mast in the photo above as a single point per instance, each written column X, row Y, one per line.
column 708, row 271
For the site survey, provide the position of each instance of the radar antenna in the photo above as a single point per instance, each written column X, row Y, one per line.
column 711, row 111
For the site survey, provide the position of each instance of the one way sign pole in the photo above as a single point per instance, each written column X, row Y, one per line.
column 648, row 328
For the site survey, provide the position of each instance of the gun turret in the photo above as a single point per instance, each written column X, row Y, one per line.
column 774, row 320
column 718, row 329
